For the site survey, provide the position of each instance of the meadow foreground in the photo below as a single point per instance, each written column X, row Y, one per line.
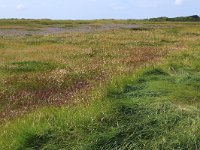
column 100, row 84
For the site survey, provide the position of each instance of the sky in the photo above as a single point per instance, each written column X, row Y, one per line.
column 97, row 9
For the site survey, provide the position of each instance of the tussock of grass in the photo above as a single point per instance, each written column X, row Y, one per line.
column 29, row 66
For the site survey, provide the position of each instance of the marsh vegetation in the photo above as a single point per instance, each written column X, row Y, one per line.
column 101, row 84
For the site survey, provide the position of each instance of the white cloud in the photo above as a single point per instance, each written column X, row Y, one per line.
column 20, row 7
column 178, row 2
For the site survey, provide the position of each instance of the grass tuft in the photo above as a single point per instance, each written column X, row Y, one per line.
column 29, row 66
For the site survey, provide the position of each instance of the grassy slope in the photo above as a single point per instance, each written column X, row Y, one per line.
column 155, row 108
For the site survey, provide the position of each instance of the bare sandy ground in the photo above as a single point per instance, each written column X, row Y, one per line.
column 57, row 30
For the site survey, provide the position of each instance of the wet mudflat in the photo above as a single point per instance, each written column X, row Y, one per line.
column 57, row 30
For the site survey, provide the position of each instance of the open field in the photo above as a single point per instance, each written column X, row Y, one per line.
column 101, row 84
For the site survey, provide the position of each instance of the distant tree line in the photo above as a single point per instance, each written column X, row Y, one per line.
column 194, row 18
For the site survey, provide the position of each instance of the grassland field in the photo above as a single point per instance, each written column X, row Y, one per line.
column 102, row 84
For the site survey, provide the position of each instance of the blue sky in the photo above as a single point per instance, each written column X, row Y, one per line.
column 97, row 9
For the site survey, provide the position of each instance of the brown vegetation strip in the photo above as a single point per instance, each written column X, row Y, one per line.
column 26, row 100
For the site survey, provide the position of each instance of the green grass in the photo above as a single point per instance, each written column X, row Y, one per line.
column 157, row 108
column 127, row 90
column 29, row 66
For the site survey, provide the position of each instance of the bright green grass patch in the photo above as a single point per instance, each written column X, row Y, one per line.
column 29, row 66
